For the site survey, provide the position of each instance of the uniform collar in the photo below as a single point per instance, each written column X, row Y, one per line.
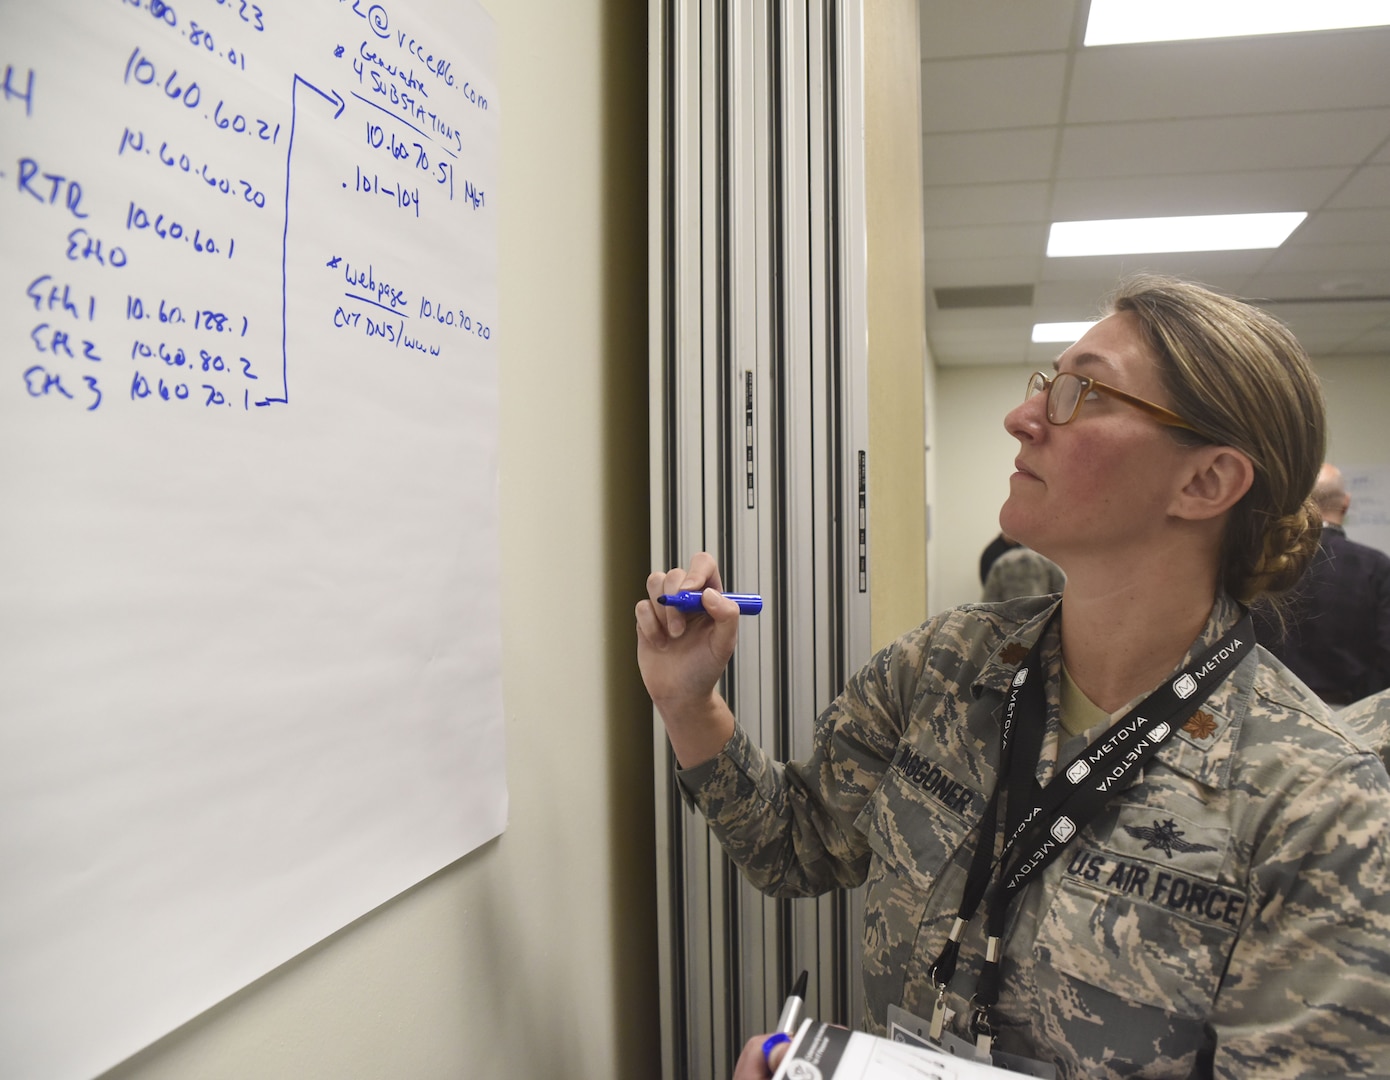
column 997, row 672
column 1201, row 749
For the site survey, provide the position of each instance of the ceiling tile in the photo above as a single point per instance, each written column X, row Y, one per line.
column 985, row 204
column 985, row 241
column 1330, row 321
column 988, row 156
column 1255, row 124
column 1330, row 328
column 1374, row 343
column 1197, row 193
column 1278, row 73
column 993, row 92
column 958, row 272
column 1067, row 301
column 1010, row 320
column 1209, row 266
column 983, row 296
column 1307, row 284
column 1335, row 260
column 978, row 346
column 990, row 27
column 1368, row 186
column 1222, row 144
column 1368, row 226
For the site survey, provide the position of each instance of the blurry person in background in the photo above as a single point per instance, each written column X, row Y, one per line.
column 1336, row 632
column 992, row 551
column 1021, row 571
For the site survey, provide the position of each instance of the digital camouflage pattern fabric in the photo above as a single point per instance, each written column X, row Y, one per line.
column 1227, row 915
column 1370, row 719
column 1022, row 572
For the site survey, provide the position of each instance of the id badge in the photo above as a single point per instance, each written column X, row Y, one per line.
column 912, row 1030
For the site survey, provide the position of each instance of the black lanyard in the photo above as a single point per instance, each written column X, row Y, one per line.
column 1040, row 821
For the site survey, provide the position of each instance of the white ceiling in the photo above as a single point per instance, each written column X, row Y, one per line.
column 1022, row 126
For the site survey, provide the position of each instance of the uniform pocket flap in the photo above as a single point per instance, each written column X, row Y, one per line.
column 1146, row 916
column 918, row 816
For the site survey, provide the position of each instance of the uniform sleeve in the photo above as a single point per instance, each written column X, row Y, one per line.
column 790, row 828
column 1307, row 991
column 1370, row 718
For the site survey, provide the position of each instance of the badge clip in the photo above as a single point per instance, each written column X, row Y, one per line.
column 939, row 1016
column 983, row 1031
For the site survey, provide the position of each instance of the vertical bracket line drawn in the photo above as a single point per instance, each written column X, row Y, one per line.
column 336, row 100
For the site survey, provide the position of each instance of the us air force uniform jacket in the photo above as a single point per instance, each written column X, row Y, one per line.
column 1228, row 914
column 1370, row 719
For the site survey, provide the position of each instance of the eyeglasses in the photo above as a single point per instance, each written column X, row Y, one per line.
column 1067, row 390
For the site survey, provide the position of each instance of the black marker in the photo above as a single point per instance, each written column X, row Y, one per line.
column 791, row 1011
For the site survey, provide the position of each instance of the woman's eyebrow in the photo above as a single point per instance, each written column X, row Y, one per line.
column 1087, row 359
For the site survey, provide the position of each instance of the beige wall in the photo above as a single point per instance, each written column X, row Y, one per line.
column 974, row 457
column 897, row 314
column 1357, row 391
column 975, row 454
column 535, row 955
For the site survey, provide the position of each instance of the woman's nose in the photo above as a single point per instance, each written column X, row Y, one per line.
column 1027, row 420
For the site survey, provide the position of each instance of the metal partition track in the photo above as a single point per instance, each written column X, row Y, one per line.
column 758, row 454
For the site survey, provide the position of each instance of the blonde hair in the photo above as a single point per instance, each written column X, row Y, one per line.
column 1240, row 377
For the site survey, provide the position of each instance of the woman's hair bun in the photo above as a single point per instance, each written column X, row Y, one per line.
column 1290, row 542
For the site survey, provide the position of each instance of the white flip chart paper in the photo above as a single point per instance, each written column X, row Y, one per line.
column 249, row 605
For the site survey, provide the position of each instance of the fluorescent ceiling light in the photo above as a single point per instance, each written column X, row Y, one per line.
column 1143, row 236
column 1117, row 22
column 1060, row 331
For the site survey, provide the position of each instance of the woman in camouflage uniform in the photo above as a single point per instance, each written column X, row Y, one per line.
column 1225, row 909
column 1370, row 718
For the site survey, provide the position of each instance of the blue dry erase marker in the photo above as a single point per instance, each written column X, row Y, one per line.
column 689, row 601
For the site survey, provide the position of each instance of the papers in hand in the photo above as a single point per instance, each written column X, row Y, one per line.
column 825, row 1052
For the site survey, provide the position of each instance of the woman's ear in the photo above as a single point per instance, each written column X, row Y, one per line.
column 1219, row 477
